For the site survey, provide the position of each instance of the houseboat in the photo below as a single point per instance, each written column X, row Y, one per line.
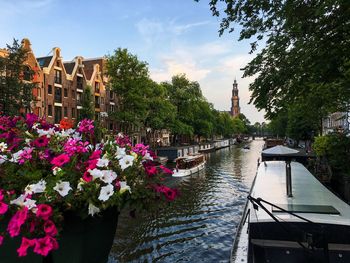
column 291, row 217
column 189, row 165
column 206, row 147
column 172, row 153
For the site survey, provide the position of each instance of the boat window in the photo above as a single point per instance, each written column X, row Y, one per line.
column 316, row 209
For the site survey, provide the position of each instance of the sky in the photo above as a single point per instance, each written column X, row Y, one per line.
column 173, row 37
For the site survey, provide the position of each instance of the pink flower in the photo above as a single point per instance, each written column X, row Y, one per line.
column 40, row 142
column 73, row 146
column 3, row 208
column 170, row 194
column 31, row 119
column 140, row 149
column 44, row 211
column 60, row 160
column 17, row 221
column 87, row 177
column 165, row 169
column 1, row 195
column 26, row 243
column 151, row 170
column 50, row 228
column 25, row 155
column 1, row 240
column 86, row 126
column 95, row 155
column 123, row 140
column 43, row 246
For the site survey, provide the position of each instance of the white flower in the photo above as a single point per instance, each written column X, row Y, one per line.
column 56, row 170
column 147, row 157
column 19, row 200
column 3, row 147
column 108, row 176
column 28, row 141
column 80, row 186
column 106, row 192
column 3, row 158
column 36, row 188
column 77, row 136
column 48, row 132
column 93, row 209
column 102, row 162
column 124, row 187
column 29, row 203
column 120, row 153
column 62, row 188
column 126, row 161
column 16, row 156
column 95, row 173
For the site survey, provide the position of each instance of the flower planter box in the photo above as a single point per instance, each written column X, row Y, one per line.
column 81, row 241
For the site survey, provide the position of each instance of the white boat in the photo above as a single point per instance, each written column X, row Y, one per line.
column 292, row 223
column 189, row 165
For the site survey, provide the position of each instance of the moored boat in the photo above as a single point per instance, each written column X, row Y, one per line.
column 189, row 165
column 294, row 223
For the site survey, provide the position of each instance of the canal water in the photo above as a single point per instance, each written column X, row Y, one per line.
column 200, row 225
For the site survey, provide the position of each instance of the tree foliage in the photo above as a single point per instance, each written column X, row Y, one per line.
column 129, row 79
column 88, row 110
column 307, row 49
column 16, row 81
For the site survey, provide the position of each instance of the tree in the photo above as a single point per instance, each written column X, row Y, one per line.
column 307, row 49
column 129, row 79
column 185, row 95
column 88, row 110
column 16, row 81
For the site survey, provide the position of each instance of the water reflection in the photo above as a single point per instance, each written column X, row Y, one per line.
column 200, row 225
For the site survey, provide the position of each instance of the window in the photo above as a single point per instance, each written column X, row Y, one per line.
column 65, row 92
column 58, row 95
column 73, row 113
column 111, row 95
column 97, row 101
column 49, row 110
column 58, row 75
column 79, row 98
column 111, row 126
column 79, row 83
column 65, row 112
column 58, row 114
column 73, row 94
column 27, row 75
column 49, row 89
column 97, row 87
column 102, row 100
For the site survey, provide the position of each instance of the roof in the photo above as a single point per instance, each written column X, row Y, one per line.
column 89, row 66
column 308, row 192
column 69, row 66
column 44, row 61
column 279, row 150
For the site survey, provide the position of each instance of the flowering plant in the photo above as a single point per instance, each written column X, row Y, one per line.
column 47, row 170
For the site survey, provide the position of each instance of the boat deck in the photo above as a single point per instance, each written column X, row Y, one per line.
column 310, row 199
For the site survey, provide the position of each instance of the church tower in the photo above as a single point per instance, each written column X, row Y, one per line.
column 235, row 109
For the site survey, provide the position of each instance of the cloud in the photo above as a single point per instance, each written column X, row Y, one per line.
column 172, row 66
column 180, row 29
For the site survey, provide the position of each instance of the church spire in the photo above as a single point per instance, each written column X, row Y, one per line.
column 235, row 109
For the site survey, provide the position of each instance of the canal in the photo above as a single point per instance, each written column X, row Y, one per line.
column 200, row 225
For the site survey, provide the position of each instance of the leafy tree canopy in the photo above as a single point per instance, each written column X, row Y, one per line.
column 307, row 49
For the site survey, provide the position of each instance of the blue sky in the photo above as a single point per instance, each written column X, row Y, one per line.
column 171, row 36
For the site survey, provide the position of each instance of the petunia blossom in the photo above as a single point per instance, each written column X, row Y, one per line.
column 106, row 192
column 124, row 187
column 44, row 211
column 26, row 243
column 43, row 246
column 108, row 176
column 93, row 209
column 50, row 228
column 1, row 239
column 60, row 160
column 62, row 188
column 3, row 208
column 126, row 161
